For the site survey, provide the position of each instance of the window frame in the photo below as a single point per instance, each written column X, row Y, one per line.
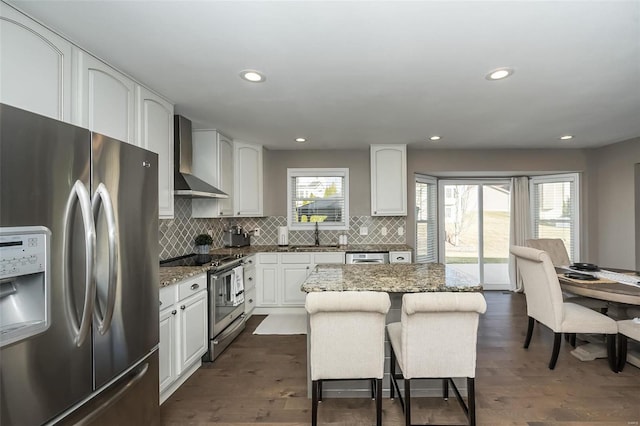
column 574, row 178
column 319, row 172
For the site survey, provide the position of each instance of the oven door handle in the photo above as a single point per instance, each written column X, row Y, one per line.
column 229, row 330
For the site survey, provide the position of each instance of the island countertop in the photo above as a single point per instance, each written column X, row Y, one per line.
column 390, row 278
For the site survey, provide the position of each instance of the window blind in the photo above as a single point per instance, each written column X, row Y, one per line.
column 426, row 219
column 554, row 205
column 319, row 197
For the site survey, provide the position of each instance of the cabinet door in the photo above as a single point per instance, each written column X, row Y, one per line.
column 155, row 133
column 36, row 66
column 167, row 347
column 248, row 179
column 388, row 180
column 249, row 302
column 292, row 278
column 104, row 99
column 267, row 285
column 225, row 184
column 193, row 329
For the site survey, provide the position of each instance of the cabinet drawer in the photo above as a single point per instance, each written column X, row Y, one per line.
column 250, row 300
column 249, row 278
column 192, row 286
column 168, row 296
column 399, row 257
column 297, row 258
column 267, row 258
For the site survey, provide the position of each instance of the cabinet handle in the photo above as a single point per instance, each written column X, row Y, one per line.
column 375, row 212
column 195, row 286
column 250, row 261
column 238, row 213
column 250, row 300
column 221, row 213
column 174, row 312
column 400, row 258
column 183, row 307
column 160, row 303
column 250, row 279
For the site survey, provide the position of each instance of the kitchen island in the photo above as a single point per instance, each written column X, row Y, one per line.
column 395, row 279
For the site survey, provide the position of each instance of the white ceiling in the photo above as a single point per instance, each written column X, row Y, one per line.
column 349, row 74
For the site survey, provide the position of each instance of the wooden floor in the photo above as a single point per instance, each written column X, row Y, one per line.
column 262, row 380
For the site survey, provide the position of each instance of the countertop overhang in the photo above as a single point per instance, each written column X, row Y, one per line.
column 390, row 278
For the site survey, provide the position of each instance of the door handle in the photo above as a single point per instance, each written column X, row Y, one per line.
column 101, row 196
column 81, row 328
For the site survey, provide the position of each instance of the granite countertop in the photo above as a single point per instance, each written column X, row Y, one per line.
column 390, row 278
column 174, row 274
column 296, row 248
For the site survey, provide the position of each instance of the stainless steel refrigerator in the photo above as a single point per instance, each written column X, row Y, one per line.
column 78, row 276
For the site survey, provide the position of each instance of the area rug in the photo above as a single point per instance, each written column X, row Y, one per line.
column 283, row 324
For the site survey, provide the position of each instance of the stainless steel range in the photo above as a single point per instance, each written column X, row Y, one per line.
column 226, row 297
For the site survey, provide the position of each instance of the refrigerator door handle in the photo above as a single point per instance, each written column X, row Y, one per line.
column 79, row 194
column 101, row 196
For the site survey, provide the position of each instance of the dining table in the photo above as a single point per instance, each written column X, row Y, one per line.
column 619, row 290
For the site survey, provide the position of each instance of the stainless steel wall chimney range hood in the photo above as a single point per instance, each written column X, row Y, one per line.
column 185, row 184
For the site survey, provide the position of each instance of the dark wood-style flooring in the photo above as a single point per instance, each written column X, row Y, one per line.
column 262, row 380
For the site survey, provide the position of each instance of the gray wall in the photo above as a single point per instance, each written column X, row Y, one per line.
column 275, row 176
column 489, row 163
column 608, row 188
column 611, row 206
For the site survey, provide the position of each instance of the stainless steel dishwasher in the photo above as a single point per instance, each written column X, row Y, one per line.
column 370, row 258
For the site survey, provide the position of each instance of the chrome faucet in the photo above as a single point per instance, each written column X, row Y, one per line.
column 317, row 234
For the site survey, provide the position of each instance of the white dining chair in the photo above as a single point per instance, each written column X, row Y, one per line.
column 545, row 305
column 436, row 338
column 557, row 251
column 627, row 329
column 346, row 340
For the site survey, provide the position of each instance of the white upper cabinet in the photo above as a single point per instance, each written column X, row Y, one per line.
column 104, row 99
column 35, row 66
column 248, row 179
column 213, row 163
column 388, row 180
column 155, row 133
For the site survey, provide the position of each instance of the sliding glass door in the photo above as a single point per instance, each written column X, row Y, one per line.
column 475, row 228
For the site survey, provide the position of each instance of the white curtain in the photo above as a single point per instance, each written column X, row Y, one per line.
column 520, row 224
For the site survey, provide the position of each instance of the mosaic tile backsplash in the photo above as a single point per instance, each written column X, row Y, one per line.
column 177, row 234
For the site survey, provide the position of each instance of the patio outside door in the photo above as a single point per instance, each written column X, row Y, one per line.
column 475, row 229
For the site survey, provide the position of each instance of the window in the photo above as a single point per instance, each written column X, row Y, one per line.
column 555, row 208
column 318, row 196
column 426, row 219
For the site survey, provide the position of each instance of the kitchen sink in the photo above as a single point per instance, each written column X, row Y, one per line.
column 313, row 247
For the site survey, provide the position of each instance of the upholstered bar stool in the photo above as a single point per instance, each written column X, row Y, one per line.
column 436, row 339
column 346, row 340
column 626, row 329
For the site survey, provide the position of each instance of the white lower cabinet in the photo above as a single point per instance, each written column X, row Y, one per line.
column 280, row 275
column 183, row 332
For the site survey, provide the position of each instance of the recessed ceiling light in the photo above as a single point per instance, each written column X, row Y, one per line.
column 301, row 139
column 499, row 73
column 435, row 138
column 252, row 76
column 566, row 137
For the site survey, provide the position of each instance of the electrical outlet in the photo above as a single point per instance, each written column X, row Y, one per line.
column 383, row 231
column 210, row 232
column 401, row 231
column 364, row 230
column 256, row 232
